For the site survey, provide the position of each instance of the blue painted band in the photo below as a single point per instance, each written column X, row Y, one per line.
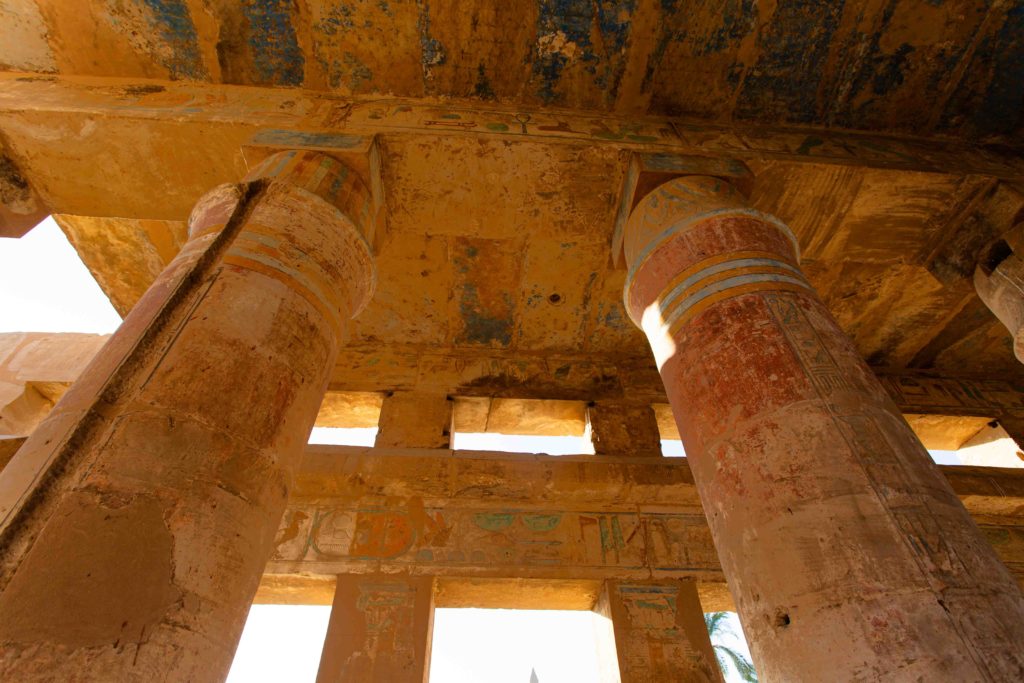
column 730, row 283
column 667, row 300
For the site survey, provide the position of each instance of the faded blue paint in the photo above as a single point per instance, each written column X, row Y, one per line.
column 482, row 88
column 1001, row 107
column 738, row 19
column 877, row 71
column 783, row 84
column 481, row 327
column 294, row 138
column 888, row 70
column 173, row 23
column 809, row 143
column 573, row 20
column 432, row 52
column 337, row 19
column 277, row 58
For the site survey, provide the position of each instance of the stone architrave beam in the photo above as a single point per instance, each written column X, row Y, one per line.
column 33, row 357
column 502, row 515
column 266, row 118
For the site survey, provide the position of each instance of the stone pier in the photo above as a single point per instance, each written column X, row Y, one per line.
column 136, row 520
column 380, row 630
column 657, row 633
column 847, row 553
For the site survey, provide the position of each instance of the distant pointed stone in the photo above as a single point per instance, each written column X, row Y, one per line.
column 533, row 676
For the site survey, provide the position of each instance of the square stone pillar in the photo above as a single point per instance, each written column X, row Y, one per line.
column 654, row 632
column 380, row 630
column 623, row 428
column 413, row 419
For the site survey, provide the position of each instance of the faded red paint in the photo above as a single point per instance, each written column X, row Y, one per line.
column 175, row 451
column 847, row 553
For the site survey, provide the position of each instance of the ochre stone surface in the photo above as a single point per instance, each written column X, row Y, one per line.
column 35, row 371
column 9, row 445
column 350, row 409
column 503, row 147
column 845, row 549
column 945, row 432
column 622, row 428
column 380, row 630
column 126, row 255
column 415, row 420
column 658, row 632
column 532, row 417
column 548, row 518
column 175, row 450
column 515, row 593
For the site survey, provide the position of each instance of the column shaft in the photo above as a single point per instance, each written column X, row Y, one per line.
column 136, row 520
column 847, row 552
column 1001, row 286
column 380, row 630
column 659, row 633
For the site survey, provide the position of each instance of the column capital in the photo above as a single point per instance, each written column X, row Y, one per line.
column 694, row 241
column 307, row 220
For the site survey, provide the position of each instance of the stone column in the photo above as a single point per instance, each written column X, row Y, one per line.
column 847, row 552
column 999, row 281
column 380, row 630
column 136, row 520
column 658, row 631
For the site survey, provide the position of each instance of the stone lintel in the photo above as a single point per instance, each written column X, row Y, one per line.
column 307, row 116
column 44, row 357
column 532, row 417
column 624, row 428
column 412, row 419
column 507, row 516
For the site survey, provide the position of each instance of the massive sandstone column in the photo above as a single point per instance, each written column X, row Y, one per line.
column 1000, row 285
column 847, row 552
column 138, row 517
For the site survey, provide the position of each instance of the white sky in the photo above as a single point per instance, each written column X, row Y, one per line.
column 44, row 287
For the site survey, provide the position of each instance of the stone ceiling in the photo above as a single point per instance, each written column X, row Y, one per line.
column 951, row 67
column 501, row 244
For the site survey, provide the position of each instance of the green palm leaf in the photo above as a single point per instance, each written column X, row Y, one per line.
column 718, row 626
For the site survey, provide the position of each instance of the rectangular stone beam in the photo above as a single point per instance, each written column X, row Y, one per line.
column 39, row 357
column 472, row 514
column 514, row 374
column 302, row 119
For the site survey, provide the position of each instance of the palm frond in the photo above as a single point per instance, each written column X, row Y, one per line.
column 716, row 623
column 743, row 665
